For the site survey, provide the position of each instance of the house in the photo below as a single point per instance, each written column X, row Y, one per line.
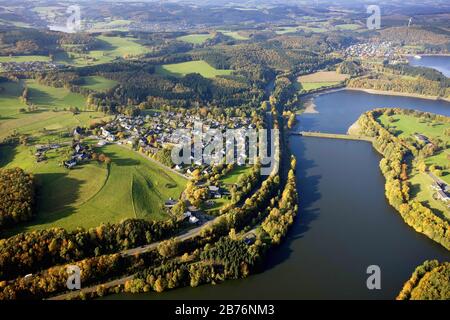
column 193, row 220
column 213, row 189
column 250, row 239
column 70, row 164
column 187, row 214
column 170, row 203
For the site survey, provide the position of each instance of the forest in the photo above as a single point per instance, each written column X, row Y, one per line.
column 16, row 196
column 428, row 282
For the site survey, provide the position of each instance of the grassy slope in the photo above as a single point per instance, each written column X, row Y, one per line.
column 46, row 98
column 234, row 34
column 195, row 38
column 201, row 67
column 113, row 47
column 233, row 176
column 92, row 194
column 320, row 79
column 98, row 83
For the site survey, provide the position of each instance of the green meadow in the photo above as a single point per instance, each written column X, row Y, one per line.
column 112, row 48
column 184, row 68
column 316, row 85
column 347, row 26
column 95, row 193
column 98, row 83
column 233, row 176
column 233, row 34
column 50, row 97
column 50, row 115
column 406, row 126
column 196, row 38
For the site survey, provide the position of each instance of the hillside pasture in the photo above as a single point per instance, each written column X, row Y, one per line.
column 94, row 193
column 320, row 79
column 184, row 68
column 196, row 38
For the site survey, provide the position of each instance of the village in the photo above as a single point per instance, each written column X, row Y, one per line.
column 386, row 50
column 148, row 135
column 29, row 66
column 155, row 132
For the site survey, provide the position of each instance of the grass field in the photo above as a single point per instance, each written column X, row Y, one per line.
column 113, row 47
column 233, row 176
column 45, row 118
column 50, row 97
column 91, row 194
column 98, row 83
column 196, row 38
column 233, row 34
column 347, row 26
column 201, row 67
column 320, row 79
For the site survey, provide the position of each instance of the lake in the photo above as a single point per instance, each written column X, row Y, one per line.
column 345, row 223
column 338, row 110
column 439, row 63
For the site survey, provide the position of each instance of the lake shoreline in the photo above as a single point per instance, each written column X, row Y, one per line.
column 309, row 107
column 399, row 94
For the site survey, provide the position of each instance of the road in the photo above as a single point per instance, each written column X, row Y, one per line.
column 127, row 253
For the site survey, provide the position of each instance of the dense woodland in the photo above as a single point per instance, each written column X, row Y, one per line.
column 16, row 196
column 395, row 83
column 428, row 282
column 28, row 252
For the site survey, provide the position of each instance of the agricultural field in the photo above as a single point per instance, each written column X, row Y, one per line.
column 234, row 34
column 320, row 79
column 98, row 83
column 184, row 68
column 113, row 48
column 49, row 97
column 347, row 26
column 196, row 38
column 46, row 118
column 95, row 193
column 286, row 30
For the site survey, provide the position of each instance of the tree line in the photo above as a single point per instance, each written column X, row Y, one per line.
column 16, row 196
